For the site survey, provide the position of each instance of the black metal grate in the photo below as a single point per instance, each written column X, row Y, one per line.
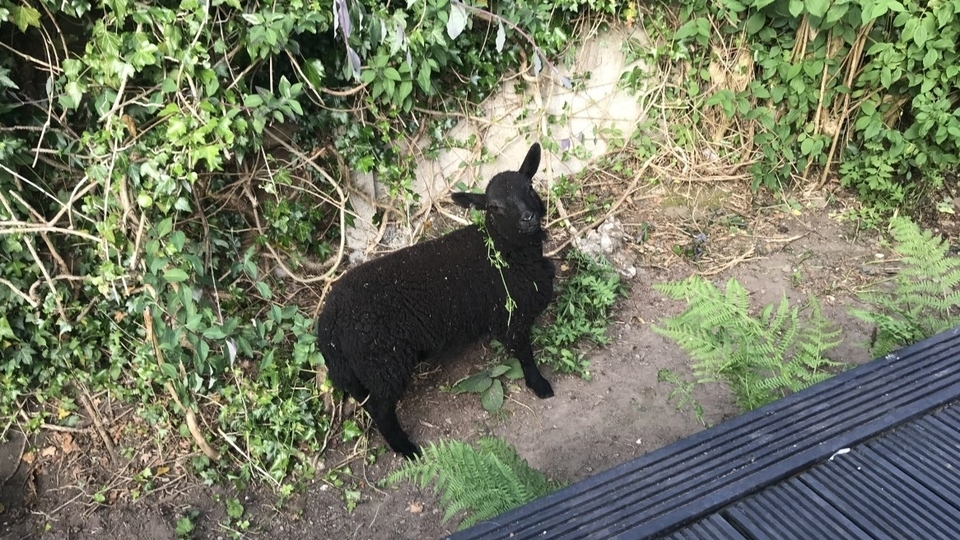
column 719, row 469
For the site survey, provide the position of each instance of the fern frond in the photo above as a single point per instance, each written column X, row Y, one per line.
column 484, row 482
column 761, row 358
column 925, row 298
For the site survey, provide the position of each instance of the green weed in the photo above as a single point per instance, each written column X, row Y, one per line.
column 186, row 524
column 762, row 357
column 482, row 481
column 579, row 314
column 682, row 392
column 487, row 383
column 924, row 298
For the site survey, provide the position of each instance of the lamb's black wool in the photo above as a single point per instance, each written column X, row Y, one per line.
column 383, row 317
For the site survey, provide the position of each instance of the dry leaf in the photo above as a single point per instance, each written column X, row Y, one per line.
column 67, row 445
column 29, row 458
column 415, row 507
column 48, row 451
column 130, row 123
column 162, row 470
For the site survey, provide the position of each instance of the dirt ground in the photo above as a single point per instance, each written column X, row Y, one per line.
column 774, row 247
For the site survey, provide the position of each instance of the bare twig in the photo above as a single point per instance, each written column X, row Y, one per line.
column 46, row 66
column 342, row 206
column 24, row 227
column 95, row 417
column 613, row 207
column 746, row 256
column 65, row 429
column 240, row 451
column 34, row 303
column 855, row 55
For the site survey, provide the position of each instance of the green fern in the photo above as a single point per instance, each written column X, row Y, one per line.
column 925, row 297
column 761, row 358
column 484, row 482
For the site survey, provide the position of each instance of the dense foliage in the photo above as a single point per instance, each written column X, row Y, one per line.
column 171, row 188
column 805, row 88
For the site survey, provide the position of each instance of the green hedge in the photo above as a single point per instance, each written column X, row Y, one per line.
column 181, row 162
column 867, row 89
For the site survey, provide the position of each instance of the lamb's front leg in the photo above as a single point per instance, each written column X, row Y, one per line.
column 521, row 348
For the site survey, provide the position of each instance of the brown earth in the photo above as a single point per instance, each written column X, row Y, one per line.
column 772, row 247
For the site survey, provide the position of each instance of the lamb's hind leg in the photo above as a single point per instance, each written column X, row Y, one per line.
column 384, row 414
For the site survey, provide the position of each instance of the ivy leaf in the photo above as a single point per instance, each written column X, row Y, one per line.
column 795, row 7
column 392, row 74
column 314, row 71
column 423, row 78
column 351, row 430
column 492, row 398
column 164, row 227
column 72, row 95
column 406, row 87
column 5, row 330
column 515, row 372
column 264, row 290
column 396, row 39
column 921, row 36
column 755, row 23
column 169, row 370
column 818, row 8
column 175, row 275
column 457, row 20
column 216, row 332
column 501, row 37
column 24, row 17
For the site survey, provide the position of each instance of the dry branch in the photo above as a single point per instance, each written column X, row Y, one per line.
column 98, row 425
column 198, row 437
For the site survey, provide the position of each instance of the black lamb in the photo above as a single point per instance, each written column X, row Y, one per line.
column 383, row 317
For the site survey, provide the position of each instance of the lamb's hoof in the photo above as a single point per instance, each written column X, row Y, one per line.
column 541, row 388
column 407, row 449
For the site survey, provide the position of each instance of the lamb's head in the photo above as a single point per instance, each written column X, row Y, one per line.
column 513, row 208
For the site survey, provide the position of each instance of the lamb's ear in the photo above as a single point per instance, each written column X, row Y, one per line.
column 532, row 162
column 466, row 200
